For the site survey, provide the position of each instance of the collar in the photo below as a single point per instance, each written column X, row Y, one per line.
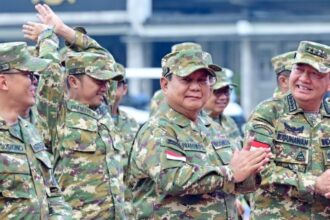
column 182, row 121
column 293, row 108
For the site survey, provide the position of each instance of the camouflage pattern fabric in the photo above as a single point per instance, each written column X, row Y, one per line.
column 230, row 129
column 15, row 55
column 283, row 62
column 183, row 63
column 156, row 102
column 127, row 127
column 28, row 187
column 179, row 170
column 186, row 46
column 222, row 79
column 277, row 94
column 87, row 155
column 301, row 153
column 313, row 54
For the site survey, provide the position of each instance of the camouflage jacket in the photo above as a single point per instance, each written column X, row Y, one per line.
column 230, row 129
column 28, row 188
column 126, row 127
column 87, row 160
column 179, row 170
column 301, row 149
column 156, row 102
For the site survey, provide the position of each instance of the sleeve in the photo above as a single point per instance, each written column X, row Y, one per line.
column 156, row 155
column 275, row 179
column 58, row 208
column 50, row 91
column 83, row 42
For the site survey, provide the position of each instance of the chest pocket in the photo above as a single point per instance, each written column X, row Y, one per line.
column 81, row 134
column 194, row 151
column 291, row 151
column 223, row 149
column 15, row 176
column 325, row 145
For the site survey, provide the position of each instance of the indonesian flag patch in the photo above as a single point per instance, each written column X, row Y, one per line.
column 258, row 145
column 174, row 156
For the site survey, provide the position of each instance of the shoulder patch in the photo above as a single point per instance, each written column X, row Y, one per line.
column 262, row 127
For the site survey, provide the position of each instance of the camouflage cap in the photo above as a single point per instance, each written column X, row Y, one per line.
column 15, row 55
column 222, row 79
column 283, row 62
column 97, row 66
column 186, row 46
column 183, row 63
column 120, row 72
column 314, row 54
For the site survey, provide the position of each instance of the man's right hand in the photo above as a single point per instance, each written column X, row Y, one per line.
column 245, row 163
column 322, row 185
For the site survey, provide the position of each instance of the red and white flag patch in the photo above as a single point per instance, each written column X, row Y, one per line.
column 258, row 145
column 174, row 156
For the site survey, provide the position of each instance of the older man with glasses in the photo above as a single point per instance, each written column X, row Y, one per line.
column 28, row 189
column 181, row 165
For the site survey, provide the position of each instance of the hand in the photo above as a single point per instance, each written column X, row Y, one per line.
column 322, row 185
column 48, row 17
column 32, row 30
column 245, row 163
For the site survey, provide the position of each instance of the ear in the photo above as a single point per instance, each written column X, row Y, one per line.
column 164, row 84
column 125, row 89
column 73, row 82
column 3, row 83
column 283, row 82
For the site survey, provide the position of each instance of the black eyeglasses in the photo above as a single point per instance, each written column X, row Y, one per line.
column 223, row 91
column 28, row 74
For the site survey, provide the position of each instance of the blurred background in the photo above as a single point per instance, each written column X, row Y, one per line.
column 242, row 35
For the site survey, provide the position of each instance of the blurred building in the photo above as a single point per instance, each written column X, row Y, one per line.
column 240, row 34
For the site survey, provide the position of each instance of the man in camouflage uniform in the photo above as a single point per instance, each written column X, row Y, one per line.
column 181, row 166
column 295, row 184
column 87, row 159
column 282, row 65
column 217, row 103
column 28, row 188
column 158, row 98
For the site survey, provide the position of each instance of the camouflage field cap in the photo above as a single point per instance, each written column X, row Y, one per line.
column 314, row 54
column 183, row 63
column 186, row 46
column 15, row 55
column 120, row 72
column 283, row 62
column 97, row 66
column 222, row 79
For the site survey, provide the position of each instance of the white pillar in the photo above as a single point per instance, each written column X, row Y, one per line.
column 247, row 81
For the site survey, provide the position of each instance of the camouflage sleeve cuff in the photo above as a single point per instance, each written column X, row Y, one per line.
column 229, row 182
column 79, row 40
column 306, row 187
column 48, row 34
column 249, row 185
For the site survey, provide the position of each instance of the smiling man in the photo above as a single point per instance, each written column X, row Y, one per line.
column 28, row 189
column 296, row 182
column 181, row 165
